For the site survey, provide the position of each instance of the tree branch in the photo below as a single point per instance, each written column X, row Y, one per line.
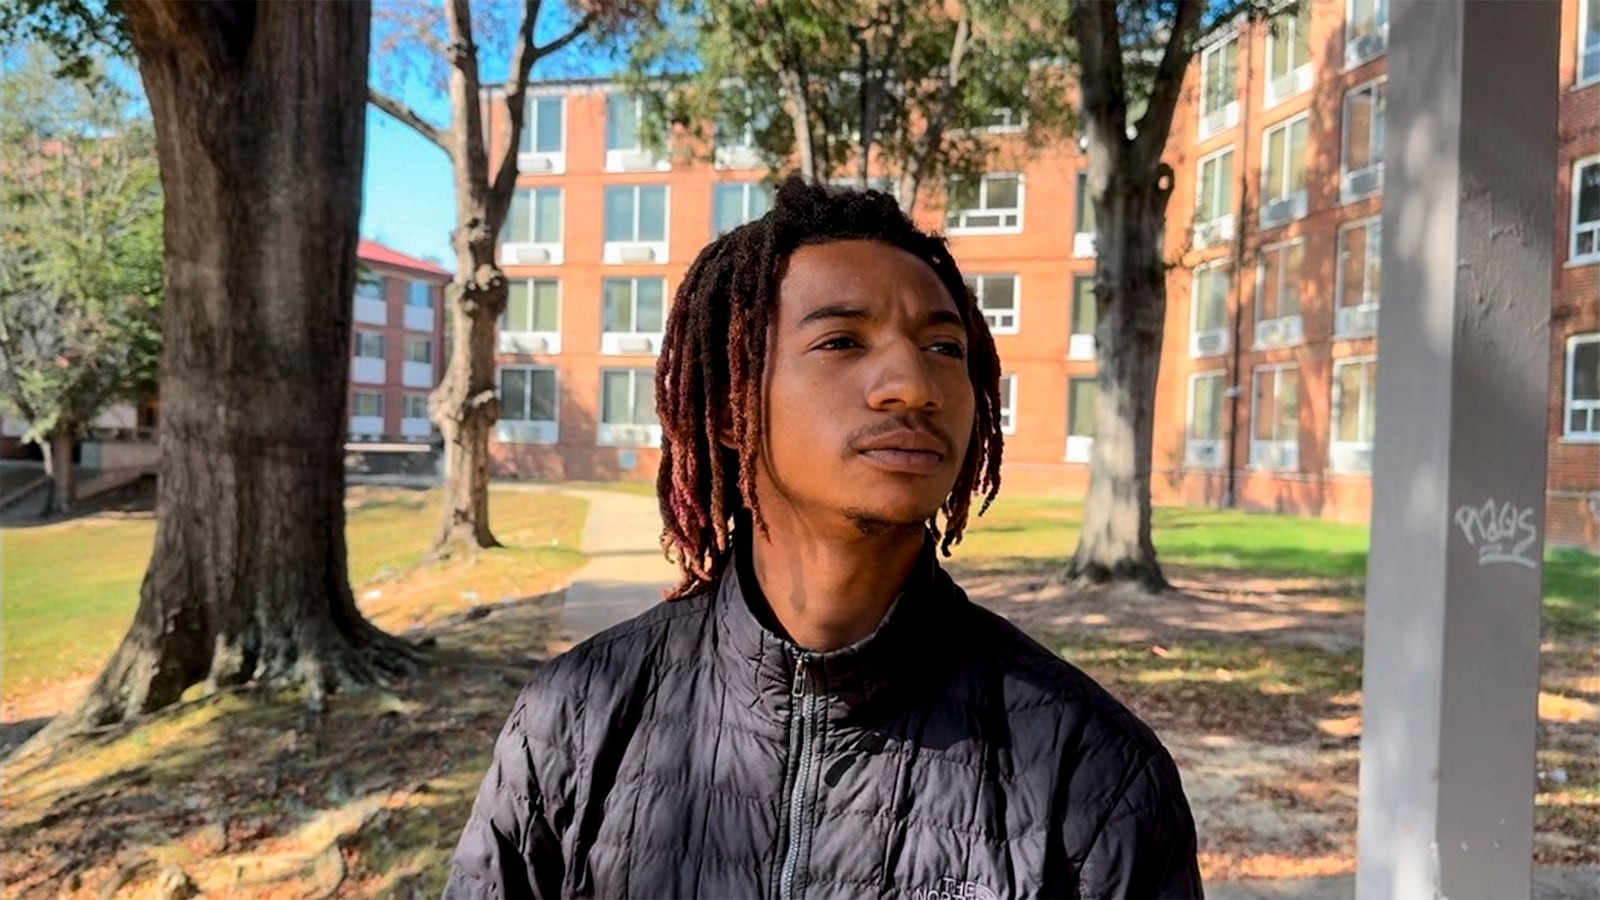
column 1156, row 122
column 408, row 117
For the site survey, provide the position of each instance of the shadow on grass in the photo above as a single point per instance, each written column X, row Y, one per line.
column 246, row 791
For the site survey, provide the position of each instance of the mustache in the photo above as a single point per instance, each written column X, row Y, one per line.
column 900, row 422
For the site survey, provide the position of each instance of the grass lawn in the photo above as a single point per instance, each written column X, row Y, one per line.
column 69, row 590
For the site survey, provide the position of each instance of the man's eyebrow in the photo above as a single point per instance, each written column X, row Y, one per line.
column 945, row 317
column 834, row 311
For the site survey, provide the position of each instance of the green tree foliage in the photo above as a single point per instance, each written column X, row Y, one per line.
column 80, row 248
column 903, row 91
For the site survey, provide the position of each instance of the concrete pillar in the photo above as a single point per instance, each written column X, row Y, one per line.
column 1453, row 587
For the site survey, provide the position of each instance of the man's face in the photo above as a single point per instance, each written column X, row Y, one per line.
column 869, row 404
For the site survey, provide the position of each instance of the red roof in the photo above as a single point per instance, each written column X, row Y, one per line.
column 374, row 252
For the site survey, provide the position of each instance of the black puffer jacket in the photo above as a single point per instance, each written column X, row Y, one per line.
column 692, row 752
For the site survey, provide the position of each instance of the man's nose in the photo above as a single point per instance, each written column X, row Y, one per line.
column 904, row 379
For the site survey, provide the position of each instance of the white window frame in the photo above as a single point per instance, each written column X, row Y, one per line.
column 415, row 427
column 1569, row 404
column 355, row 404
column 741, row 153
column 1084, row 243
column 1293, row 203
column 383, row 344
column 626, row 434
column 636, row 251
column 1014, row 122
column 528, row 430
column 1010, row 217
column 532, row 341
column 1080, row 447
column 635, row 342
column 1298, row 79
column 1008, row 404
column 1218, row 228
column 542, row 162
column 1080, row 344
column 1358, row 50
column 406, row 408
column 637, row 158
column 536, row 252
column 1211, row 341
column 1287, row 449
column 1573, row 257
column 418, row 341
column 1373, row 171
column 1342, row 453
column 749, row 189
column 1204, row 452
column 1281, row 330
column 996, row 318
column 1586, row 9
column 1345, row 317
column 371, row 298
column 411, row 294
column 1215, row 121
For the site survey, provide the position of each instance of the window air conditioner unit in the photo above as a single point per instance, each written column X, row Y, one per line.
column 1277, row 212
column 1352, row 458
column 635, row 253
column 1203, row 453
column 1364, row 182
column 1366, row 46
column 525, row 254
column 635, row 345
column 1358, row 320
column 534, row 163
column 1210, row 343
column 633, row 160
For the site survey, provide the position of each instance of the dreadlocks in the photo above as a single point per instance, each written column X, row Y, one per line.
column 712, row 370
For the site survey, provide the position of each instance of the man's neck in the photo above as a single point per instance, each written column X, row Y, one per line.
column 829, row 592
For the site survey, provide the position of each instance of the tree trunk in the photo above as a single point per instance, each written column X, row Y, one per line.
column 1131, row 301
column 260, row 118
column 58, row 465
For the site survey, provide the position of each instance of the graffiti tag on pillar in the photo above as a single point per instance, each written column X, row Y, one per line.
column 1501, row 533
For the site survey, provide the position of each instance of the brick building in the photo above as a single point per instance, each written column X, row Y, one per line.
column 1269, row 366
column 396, row 345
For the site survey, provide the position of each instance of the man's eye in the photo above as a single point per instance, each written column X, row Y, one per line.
column 951, row 349
column 838, row 343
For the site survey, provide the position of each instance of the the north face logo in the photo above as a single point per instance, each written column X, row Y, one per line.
column 950, row 889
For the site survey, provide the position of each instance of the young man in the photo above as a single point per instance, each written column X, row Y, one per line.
column 820, row 711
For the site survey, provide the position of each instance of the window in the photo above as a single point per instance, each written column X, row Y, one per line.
column 368, row 404
column 1359, row 277
column 1589, row 42
column 1366, row 30
column 1355, row 413
column 1216, row 187
column 419, row 350
column 528, row 394
column 1289, row 54
column 1363, row 141
column 1080, row 418
column 535, row 217
column 1278, row 286
column 369, row 284
column 543, row 125
column 1203, row 437
column 992, row 203
column 997, row 297
column 632, row 308
column 419, row 295
column 733, row 204
column 1008, row 404
column 533, row 306
column 1586, row 210
column 1209, row 309
column 1276, row 418
column 1284, row 163
column 624, row 113
column 1003, row 119
column 369, row 345
column 416, row 406
column 1084, row 315
column 1583, row 387
column 1219, row 87
column 1086, row 229
column 628, row 408
column 636, row 214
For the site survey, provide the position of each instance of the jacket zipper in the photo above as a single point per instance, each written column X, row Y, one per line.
column 802, row 739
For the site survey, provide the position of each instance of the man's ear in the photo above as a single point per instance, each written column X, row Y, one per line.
column 725, row 434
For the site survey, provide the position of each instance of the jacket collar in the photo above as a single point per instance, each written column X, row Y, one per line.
column 760, row 665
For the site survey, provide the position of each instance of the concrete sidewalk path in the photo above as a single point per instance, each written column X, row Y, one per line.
column 626, row 572
column 1578, row 883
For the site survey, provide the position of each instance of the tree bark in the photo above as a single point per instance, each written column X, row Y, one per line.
column 1131, row 302
column 58, row 465
column 259, row 112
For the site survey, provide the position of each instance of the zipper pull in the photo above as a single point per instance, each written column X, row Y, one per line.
column 799, row 676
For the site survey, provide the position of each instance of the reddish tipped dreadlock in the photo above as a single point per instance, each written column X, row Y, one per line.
column 713, row 368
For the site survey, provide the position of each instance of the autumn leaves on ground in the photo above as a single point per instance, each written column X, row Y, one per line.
column 1251, row 672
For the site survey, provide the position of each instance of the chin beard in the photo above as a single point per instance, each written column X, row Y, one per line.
column 871, row 524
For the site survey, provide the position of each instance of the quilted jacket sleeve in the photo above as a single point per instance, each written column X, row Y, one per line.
column 1146, row 846
column 508, row 849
